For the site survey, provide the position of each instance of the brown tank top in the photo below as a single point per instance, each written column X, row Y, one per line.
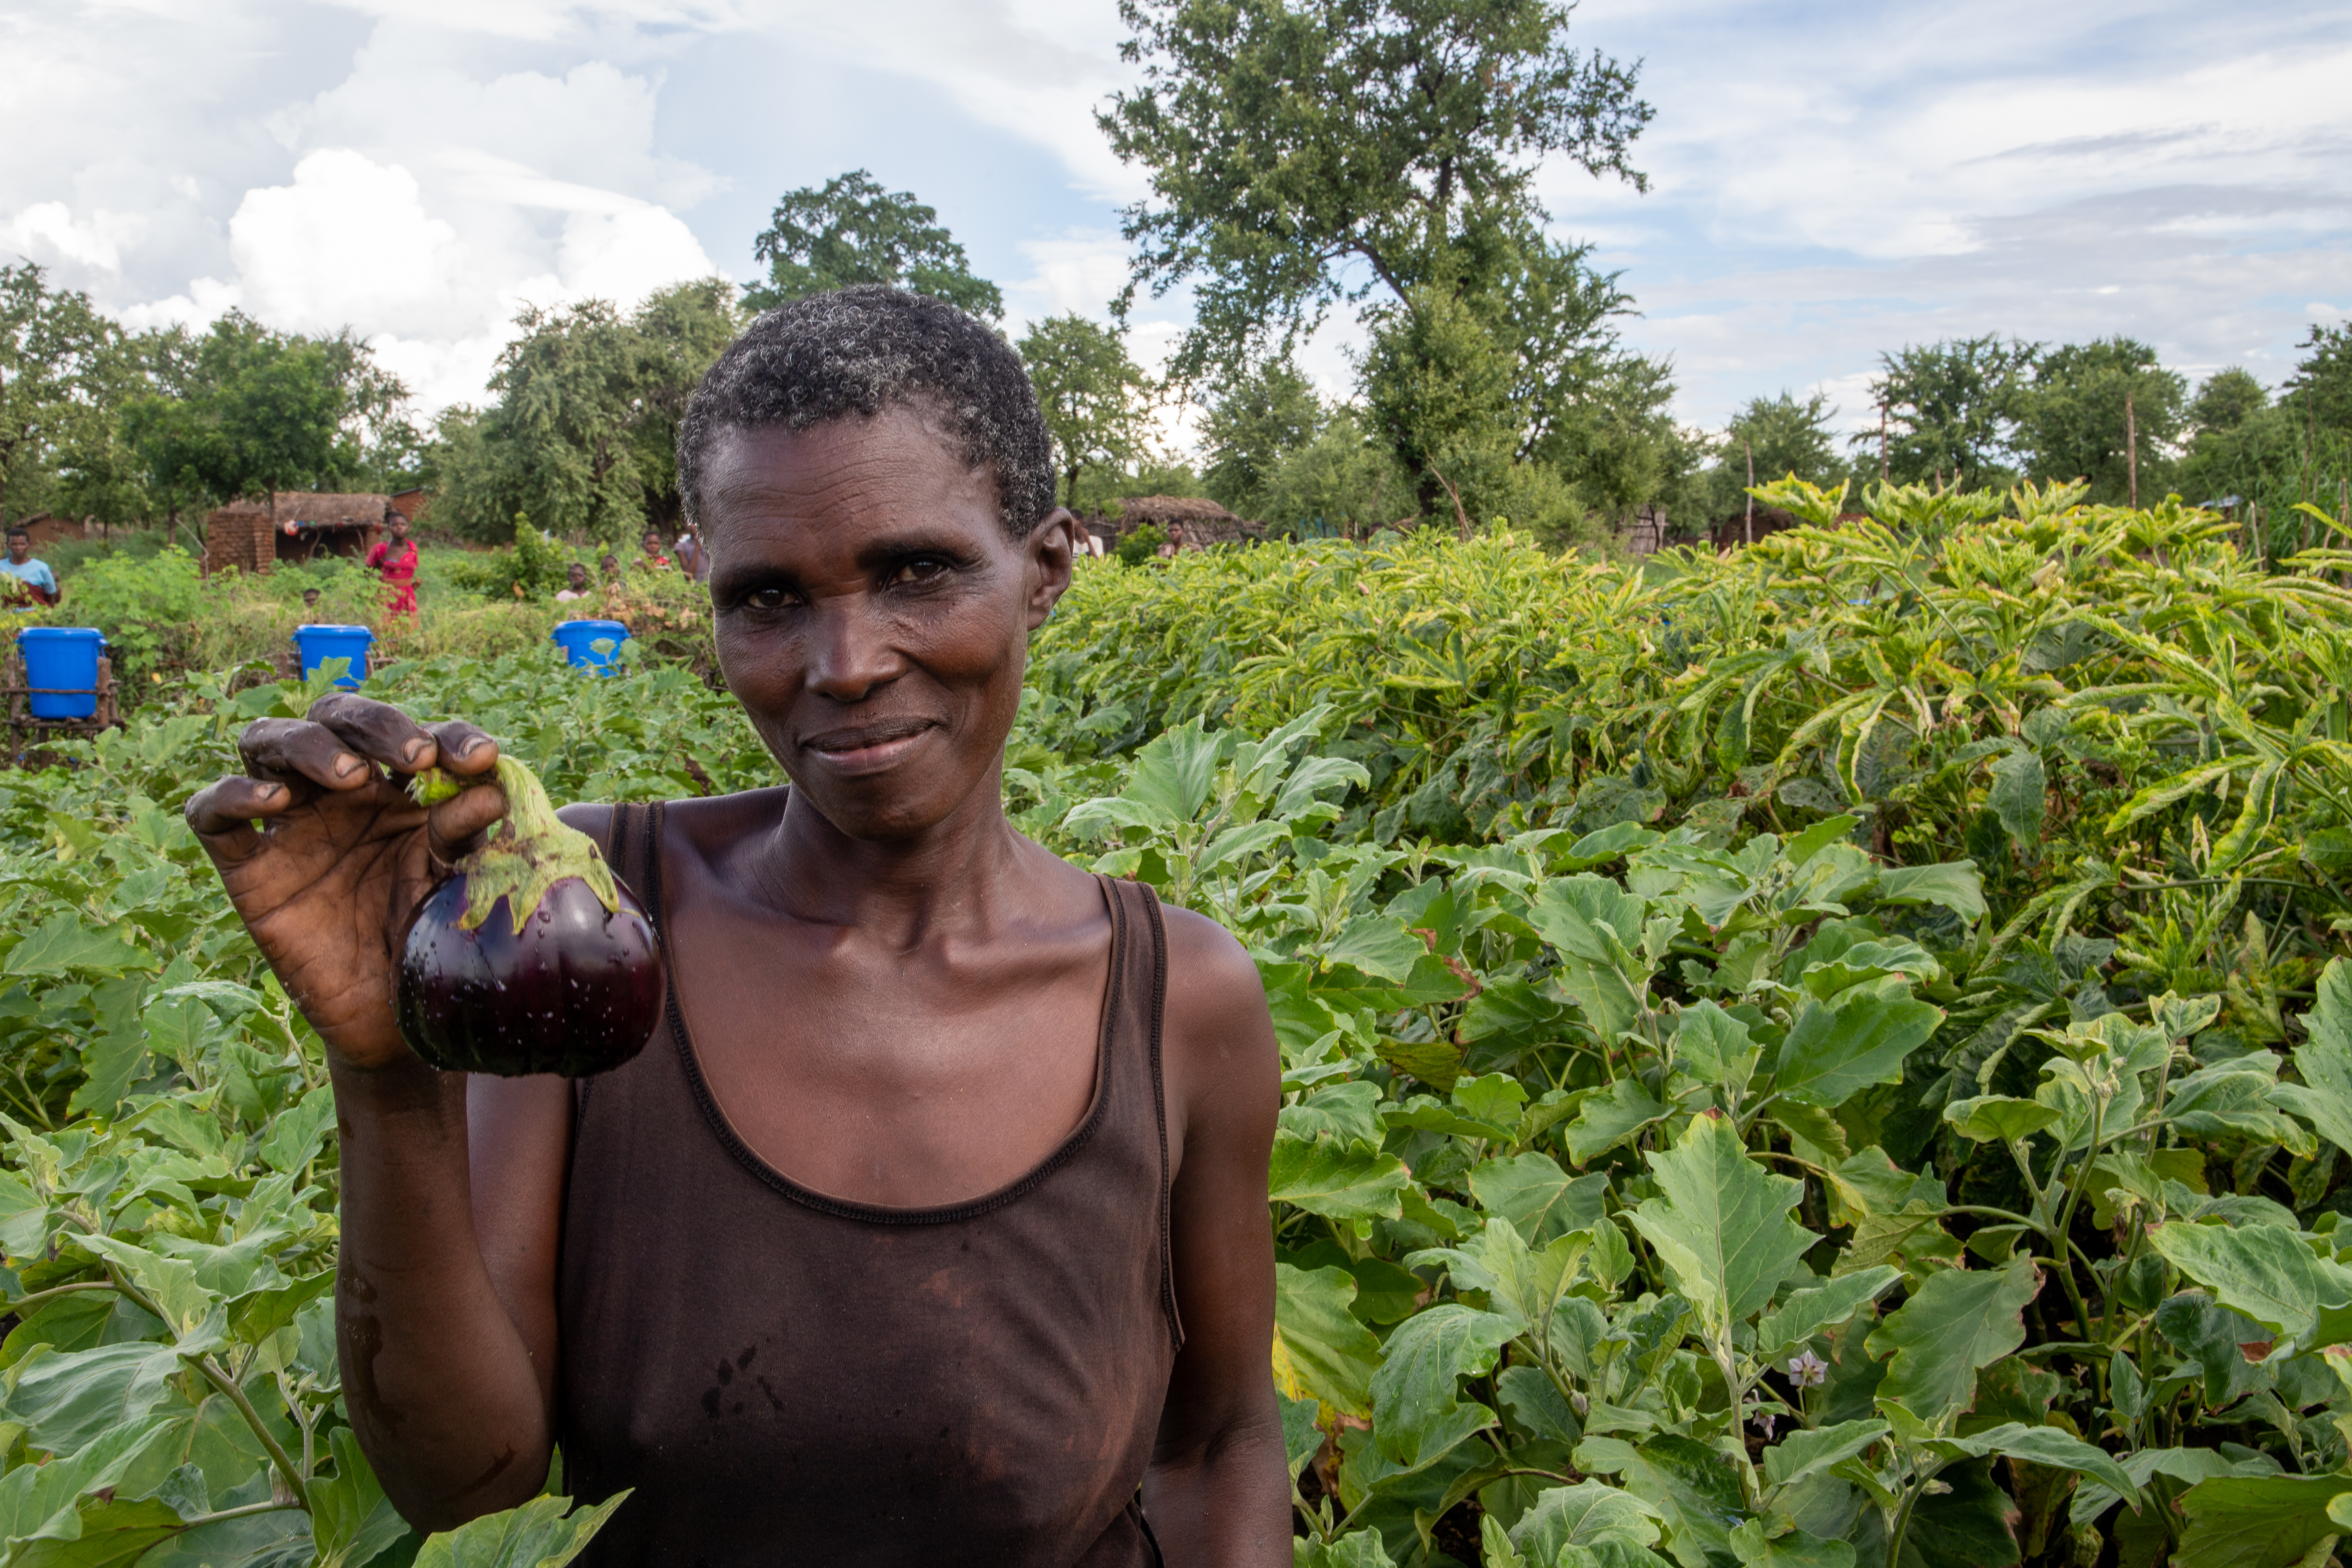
column 786, row 1377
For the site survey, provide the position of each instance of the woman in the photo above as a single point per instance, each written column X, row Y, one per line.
column 932, row 1222
column 394, row 560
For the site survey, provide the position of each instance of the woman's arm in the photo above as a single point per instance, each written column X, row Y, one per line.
column 1218, row 1491
column 446, row 1343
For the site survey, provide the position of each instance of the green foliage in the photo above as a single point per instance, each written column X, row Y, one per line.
column 582, row 436
column 1777, row 436
column 58, row 360
column 1096, row 400
column 852, row 231
column 1138, row 545
column 2321, row 388
column 2073, row 423
column 1830, row 1054
column 1951, row 408
column 1254, row 423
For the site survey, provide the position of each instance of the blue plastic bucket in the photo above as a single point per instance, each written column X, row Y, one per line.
column 61, row 667
column 575, row 637
column 321, row 643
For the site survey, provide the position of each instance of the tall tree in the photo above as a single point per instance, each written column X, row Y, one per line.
column 2226, row 399
column 1305, row 152
column 60, row 360
column 2320, row 390
column 1095, row 398
column 2102, row 411
column 240, row 410
column 1779, row 436
column 684, row 328
column 1951, row 410
column 1251, row 422
column 851, row 230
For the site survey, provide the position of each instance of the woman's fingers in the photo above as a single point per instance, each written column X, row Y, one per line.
column 376, row 730
column 463, row 748
column 222, row 815
column 453, row 827
column 295, row 751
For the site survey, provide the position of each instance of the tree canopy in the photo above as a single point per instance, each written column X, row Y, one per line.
column 1783, row 435
column 1951, row 408
column 2073, row 422
column 59, row 361
column 1096, row 399
column 850, row 230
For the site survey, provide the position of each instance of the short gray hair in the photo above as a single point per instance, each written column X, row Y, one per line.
column 855, row 352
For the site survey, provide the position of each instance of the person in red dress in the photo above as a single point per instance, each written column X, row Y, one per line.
column 394, row 560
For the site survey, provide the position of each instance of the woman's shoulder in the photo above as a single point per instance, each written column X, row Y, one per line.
column 696, row 823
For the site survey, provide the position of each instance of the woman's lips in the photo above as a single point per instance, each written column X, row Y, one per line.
column 867, row 751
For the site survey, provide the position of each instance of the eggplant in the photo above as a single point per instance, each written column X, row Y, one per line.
column 532, row 957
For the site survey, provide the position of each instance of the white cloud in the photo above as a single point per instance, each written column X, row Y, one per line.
column 49, row 232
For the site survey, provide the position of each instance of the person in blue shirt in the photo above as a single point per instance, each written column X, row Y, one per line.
column 36, row 584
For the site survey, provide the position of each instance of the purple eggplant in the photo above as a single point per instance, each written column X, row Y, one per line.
column 532, row 958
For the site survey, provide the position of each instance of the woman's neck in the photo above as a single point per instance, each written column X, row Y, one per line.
column 955, row 875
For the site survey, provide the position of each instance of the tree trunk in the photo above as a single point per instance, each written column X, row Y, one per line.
column 2131, row 451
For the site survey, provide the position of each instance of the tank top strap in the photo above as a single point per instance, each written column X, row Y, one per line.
column 1140, row 1004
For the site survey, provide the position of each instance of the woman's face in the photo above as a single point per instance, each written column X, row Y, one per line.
column 873, row 616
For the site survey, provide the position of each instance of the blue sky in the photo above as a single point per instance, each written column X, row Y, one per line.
column 1828, row 182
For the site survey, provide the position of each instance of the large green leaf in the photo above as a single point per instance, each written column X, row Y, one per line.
column 64, row 944
column 1833, row 1051
column 1609, row 1116
column 68, row 1401
column 1585, row 1514
column 1795, row 1549
column 352, row 1522
column 2020, row 794
column 1955, row 885
column 539, row 1534
column 1320, row 1348
column 1327, row 1177
column 1794, row 1322
column 2260, row 1271
column 2257, row 1521
column 1417, row 1415
column 1721, row 1223
column 1808, row 1451
column 2325, row 1057
column 1960, row 1320
column 1594, row 924
column 2049, row 1446
column 1534, row 1194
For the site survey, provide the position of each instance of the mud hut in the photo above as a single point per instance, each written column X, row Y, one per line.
column 1204, row 522
column 294, row 525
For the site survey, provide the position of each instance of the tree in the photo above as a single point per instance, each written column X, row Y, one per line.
column 2102, row 411
column 1343, row 481
column 684, row 328
column 2320, row 390
column 852, row 231
column 2227, row 400
column 1252, row 423
column 244, row 411
column 1783, row 437
column 1093, row 397
column 1951, row 408
column 60, row 365
column 1303, row 153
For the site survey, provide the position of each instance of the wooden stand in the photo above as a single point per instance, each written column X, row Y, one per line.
column 25, row 733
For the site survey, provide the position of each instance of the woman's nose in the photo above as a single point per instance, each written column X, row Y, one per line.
column 851, row 653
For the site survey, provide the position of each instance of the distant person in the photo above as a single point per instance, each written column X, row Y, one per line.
column 1173, row 545
column 577, row 573
column 394, row 560
column 33, row 583
column 309, row 602
column 692, row 559
column 654, row 559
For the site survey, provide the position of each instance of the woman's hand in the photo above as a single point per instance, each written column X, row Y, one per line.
column 343, row 855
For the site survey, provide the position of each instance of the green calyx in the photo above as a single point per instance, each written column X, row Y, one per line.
column 526, row 854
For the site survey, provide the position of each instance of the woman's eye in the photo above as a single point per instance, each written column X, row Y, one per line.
column 922, row 569
column 768, row 598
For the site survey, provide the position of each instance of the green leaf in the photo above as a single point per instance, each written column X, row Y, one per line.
column 1357, row 1549
column 1378, row 945
column 1585, row 1514
column 2263, row 1271
column 1955, row 885
column 294, row 1137
column 1721, row 1223
column 1794, row 1550
column 1696, row 1488
column 70, row 1401
column 1608, row 1117
column 1793, row 1323
column 2048, row 1445
column 1715, row 1046
column 2257, row 1521
column 1959, row 1320
column 1833, row 1051
column 1322, row 1178
column 352, row 1522
column 2325, row 1057
column 2021, row 793
column 1346, row 1113
column 1520, row 1282
column 1999, row 1119
column 62, row 944
column 1302, row 1440
column 1417, row 1417
column 539, row 1534
column 1594, row 924
column 1807, row 1452
column 1320, row 1348
column 2208, row 1336
column 1534, row 1194
column 1972, row 1525
column 101, row 1532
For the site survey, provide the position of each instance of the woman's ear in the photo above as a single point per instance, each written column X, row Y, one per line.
column 1049, row 549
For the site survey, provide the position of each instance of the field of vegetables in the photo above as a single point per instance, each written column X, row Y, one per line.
column 1830, row 1058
